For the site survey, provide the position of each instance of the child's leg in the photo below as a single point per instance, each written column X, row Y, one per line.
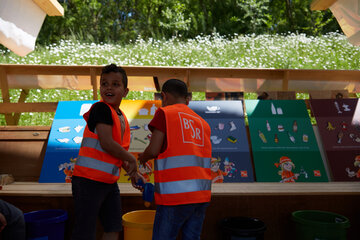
column 88, row 196
column 193, row 226
column 110, row 212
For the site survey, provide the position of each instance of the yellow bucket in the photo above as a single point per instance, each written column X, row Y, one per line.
column 138, row 224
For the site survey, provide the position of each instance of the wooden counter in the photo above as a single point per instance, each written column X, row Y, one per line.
column 218, row 189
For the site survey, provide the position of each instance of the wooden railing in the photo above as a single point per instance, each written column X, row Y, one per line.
column 197, row 79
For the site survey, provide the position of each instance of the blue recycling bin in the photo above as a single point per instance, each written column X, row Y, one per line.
column 46, row 224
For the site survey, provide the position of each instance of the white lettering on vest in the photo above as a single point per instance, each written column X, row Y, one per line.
column 189, row 124
column 192, row 129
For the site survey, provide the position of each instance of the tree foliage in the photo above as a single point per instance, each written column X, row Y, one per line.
column 122, row 21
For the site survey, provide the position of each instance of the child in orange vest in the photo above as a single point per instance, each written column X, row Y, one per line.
column 103, row 152
column 180, row 142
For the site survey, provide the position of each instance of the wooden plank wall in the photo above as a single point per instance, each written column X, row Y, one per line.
column 274, row 210
column 22, row 150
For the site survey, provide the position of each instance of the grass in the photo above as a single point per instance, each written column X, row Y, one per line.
column 293, row 51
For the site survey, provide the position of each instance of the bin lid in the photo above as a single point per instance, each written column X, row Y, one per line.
column 243, row 226
column 46, row 216
column 319, row 219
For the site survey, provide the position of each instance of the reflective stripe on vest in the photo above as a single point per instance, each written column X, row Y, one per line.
column 182, row 171
column 192, row 185
column 98, row 165
column 181, row 161
column 92, row 143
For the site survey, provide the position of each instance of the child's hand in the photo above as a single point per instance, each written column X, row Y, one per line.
column 135, row 179
column 131, row 169
column 141, row 159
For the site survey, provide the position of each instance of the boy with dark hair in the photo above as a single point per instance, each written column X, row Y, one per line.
column 180, row 144
column 103, row 151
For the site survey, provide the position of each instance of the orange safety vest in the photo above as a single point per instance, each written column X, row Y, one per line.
column 93, row 162
column 182, row 172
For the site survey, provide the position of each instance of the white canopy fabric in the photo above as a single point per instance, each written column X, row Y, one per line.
column 347, row 13
column 20, row 23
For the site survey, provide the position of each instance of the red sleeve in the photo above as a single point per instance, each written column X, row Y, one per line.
column 158, row 121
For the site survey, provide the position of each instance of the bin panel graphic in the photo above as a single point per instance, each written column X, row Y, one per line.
column 338, row 121
column 231, row 161
column 67, row 130
column 283, row 142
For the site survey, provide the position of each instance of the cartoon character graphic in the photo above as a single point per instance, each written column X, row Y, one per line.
column 229, row 168
column 217, row 175
column 146, row 170
column 68, row 168
column 356, row 164
column 286, row 173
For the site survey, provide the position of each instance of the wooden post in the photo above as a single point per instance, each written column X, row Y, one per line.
column 94, row 83
column 5, row 94
column 285, row 82
column 187, row 78
column 22, row 98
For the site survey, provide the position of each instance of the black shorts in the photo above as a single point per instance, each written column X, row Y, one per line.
column 94, row 199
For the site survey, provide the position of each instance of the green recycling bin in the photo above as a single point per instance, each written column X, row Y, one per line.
column 320, row 225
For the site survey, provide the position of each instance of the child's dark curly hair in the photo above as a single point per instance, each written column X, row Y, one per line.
column 117, row 69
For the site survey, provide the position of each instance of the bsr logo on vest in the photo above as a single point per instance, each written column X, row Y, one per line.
column 192, row 129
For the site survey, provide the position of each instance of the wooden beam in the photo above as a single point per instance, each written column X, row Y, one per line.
column 22, row 98
column 26, row 69
column 285, row 81
column 4, row 85
column 187, row 78
column 94, row 83
column 23, row 135
column 270, row 74
column 324, row 75
column 321, row 4
column 6, row 108
column 51, row 7
column 5, row 94
column 25, row 128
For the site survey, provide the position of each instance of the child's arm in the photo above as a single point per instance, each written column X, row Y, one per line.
column 153, row 150
column 113, row 148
